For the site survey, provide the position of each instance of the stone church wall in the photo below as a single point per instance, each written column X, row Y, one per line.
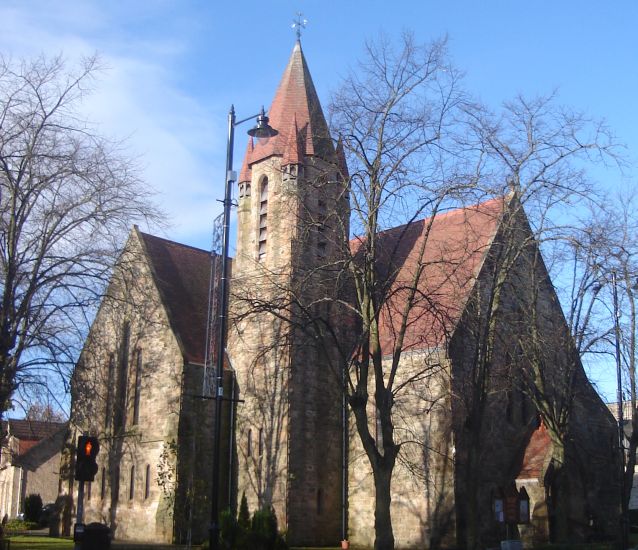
column 423, row 482
column 141, row 508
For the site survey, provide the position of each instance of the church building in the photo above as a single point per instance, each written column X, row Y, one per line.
column 288, row 441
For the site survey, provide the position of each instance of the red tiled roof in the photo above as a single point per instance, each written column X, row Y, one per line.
column 293, row 154
column 296, row 98
column 536, row 453
column 182, row 274
column 450, row 249
column 30, row 430
column 245, row 175
column 30, row 433
column 25, row 445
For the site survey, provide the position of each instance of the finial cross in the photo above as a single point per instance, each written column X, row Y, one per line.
column 298, row 24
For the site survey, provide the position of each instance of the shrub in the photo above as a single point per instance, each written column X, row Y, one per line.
column 244, row 514
column 14, row 525
column 243, row 534
column 230, row 532
column 264, row 533
column 32, row 508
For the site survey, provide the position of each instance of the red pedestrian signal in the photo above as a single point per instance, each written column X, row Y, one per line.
column 86, row 458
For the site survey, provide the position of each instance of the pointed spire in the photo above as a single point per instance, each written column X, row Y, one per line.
column 245, row 174
column 296, row 98
column 294, row 147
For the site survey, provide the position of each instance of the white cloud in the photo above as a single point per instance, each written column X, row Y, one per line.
column 136, row 98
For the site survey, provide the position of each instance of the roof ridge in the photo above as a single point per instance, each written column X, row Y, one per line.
column 182, row 245
column 438, row 215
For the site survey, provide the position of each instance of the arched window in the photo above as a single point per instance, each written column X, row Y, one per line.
column 110, row 383
column 138, row 386
column 263, row 218
column 261, row 441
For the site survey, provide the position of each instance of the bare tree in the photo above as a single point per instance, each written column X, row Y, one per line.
column 613, row 282
column 541, row 150
column 68, row 197
column 416, row 146
column 397, row 117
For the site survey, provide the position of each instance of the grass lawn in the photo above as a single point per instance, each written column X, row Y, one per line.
column 40, row 543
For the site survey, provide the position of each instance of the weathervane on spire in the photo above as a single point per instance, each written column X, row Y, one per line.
column 298, row 24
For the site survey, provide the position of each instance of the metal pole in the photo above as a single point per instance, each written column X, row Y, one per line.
column 221, row 347
column 623, row 524
column 79, row 518
column 344, row 453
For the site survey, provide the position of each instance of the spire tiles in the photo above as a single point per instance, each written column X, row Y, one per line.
column 296, row 99
column 293, row 151
column 245, row 174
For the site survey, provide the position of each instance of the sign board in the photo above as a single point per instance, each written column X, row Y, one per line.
column 497, row 505
column 511, row 506
column 523, row 506
column 78, row 532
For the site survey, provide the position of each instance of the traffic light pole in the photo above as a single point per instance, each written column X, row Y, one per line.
column 79, row 519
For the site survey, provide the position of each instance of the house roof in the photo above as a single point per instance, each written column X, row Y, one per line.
column 182, row 274
column 446, row 253
column 297, row 115
column 29, row 433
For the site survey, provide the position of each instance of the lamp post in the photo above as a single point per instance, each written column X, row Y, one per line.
column 262, row 130
column 621, row 435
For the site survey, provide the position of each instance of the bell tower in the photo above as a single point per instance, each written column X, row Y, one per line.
column 293, row 213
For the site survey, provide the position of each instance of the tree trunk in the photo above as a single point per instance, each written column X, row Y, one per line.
column 560, row 494
column 384, row 536
column 471, row 494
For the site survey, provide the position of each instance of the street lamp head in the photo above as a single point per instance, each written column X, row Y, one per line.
column 262, row 131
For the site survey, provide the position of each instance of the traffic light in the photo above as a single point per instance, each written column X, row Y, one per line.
column 85, row 460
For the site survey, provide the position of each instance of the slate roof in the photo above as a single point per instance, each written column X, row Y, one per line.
column 297, row 115
column 182, row 274
column 449, row 249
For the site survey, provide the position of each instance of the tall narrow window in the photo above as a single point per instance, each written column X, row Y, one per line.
column 119, row 417
column 88, row 490
column 249, row 444
column 131, row 489
column 319, row 501
column 263, row 219
column 147, row 482
column 138, row 386
column 109, row 391
column 321, row 249
column 261, row 441
column 103, row 488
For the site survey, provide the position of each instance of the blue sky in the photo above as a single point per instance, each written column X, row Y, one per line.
column 175, row 66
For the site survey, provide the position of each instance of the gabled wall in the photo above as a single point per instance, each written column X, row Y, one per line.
column 144, row 448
